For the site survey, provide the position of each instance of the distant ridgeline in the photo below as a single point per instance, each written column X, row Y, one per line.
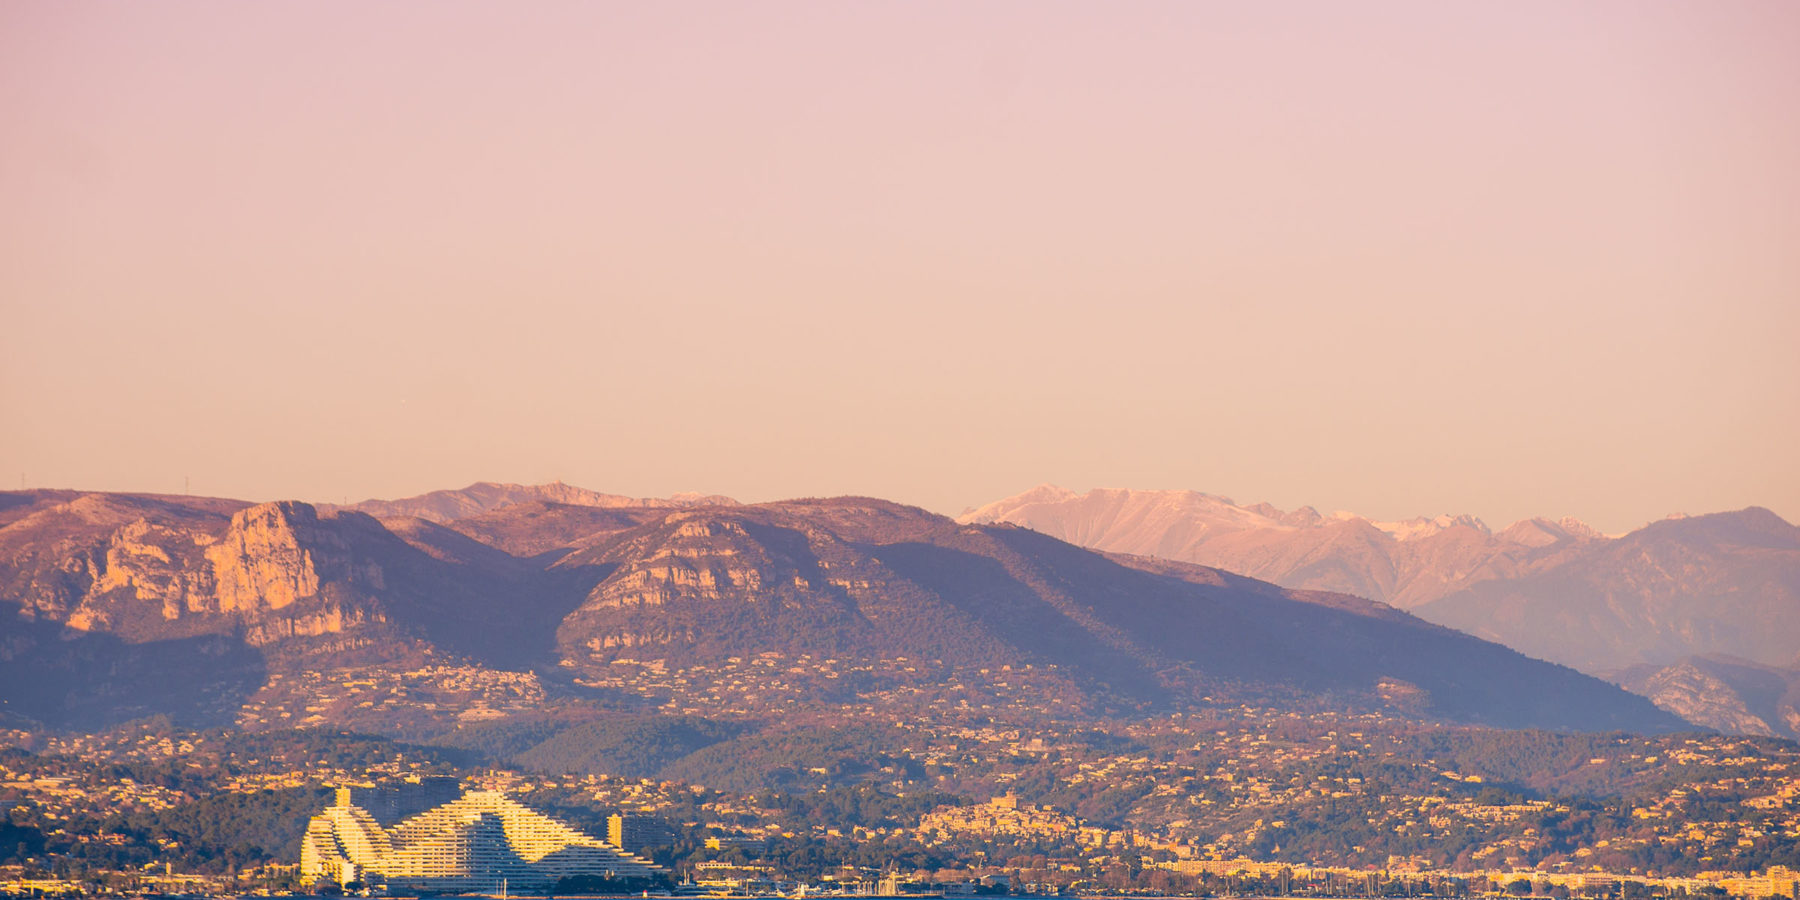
column 430, row 835
column 215, row 612
column 1725, row 583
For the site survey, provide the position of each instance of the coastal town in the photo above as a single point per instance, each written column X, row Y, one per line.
column 1238, row 802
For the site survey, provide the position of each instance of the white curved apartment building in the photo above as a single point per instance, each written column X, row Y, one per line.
column 474, row 843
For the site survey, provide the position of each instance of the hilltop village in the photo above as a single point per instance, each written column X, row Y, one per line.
column 1242, row 801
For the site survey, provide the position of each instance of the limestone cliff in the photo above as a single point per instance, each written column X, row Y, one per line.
column 159, row 568
column 271, row 567
column 1732, row 695
column 145, row 563
column 111, row 562
column 261, row 564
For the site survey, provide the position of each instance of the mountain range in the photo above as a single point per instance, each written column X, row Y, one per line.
column 130, row 604
column 487, row 496
column 1696, row 598
column 1404, row 563
column 1555, row 589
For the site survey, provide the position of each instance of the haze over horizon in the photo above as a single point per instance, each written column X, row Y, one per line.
column 1404, row 259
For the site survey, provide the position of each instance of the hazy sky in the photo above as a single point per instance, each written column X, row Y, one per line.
column 1506, row 258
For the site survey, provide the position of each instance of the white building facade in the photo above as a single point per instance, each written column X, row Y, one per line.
column 481, row 841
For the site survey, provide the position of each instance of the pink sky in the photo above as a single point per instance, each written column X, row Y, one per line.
column 1401, row 258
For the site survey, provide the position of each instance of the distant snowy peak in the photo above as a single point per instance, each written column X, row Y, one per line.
column 1304, row 517
column 1422, row 527
column 1044, row 493
column 1544, row 532
column 1114, row 507
column 1087, row 517
column 1005, row 510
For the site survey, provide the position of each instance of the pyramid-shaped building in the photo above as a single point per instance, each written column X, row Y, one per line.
column 480, row 841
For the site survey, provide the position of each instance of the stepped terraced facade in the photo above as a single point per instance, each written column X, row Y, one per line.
column 482, row 840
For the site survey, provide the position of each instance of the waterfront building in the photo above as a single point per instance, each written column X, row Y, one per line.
column 480, row 841
column 633, row 834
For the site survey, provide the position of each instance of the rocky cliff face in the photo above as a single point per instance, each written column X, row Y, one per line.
column 261, row 564
column 271, row 567
column 110, row 562
column 158, row 568
column 103, row 610
column 143, row 563
column 717, row 582
column 1735, row 696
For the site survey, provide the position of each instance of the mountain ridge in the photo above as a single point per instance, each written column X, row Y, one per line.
column 1555, row 589
column 696, row 588
column 486, row 496
column 1721, row 583
column 1725, row 693
column 1406, row 563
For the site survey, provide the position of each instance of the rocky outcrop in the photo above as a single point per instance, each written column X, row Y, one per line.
column 159, row 568
column 146, row 563
column 1703, row 699
column 109, row 562
column 674, row 583
column 260, row 564
column 1735, row 696
column 278, row 554
column 285, row 571
column 702, row 561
